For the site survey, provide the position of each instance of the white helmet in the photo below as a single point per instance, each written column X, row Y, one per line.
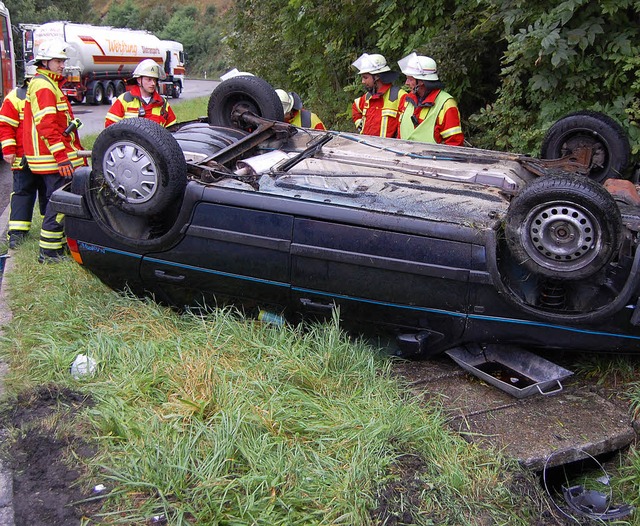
column 30, row 69
column 51, row 49
column 419, row 67
column 235, row 73
column 371, row 64
column 149, row 68
column 286, row 99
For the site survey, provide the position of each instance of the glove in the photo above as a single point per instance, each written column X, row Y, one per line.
column 359, row 125
column 65, row 169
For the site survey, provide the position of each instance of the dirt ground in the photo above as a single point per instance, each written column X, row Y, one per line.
column 40, row 453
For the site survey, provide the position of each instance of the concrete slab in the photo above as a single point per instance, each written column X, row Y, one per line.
column 560, row 427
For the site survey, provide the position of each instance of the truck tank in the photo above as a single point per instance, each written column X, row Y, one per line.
column 102, row 58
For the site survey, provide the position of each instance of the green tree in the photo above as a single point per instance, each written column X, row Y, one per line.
column 561, row 57
column 514, row 66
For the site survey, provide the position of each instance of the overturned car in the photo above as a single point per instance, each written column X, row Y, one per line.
column 439, row 245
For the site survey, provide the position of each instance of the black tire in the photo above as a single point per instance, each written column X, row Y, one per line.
column 206, row 140
column 176, row 91
column 608, row 139
column 97, row 93
column 243, row 93
column 109, row 93
column 232, row 134
column 120, row 88
column 140, row 165
column 563, row 226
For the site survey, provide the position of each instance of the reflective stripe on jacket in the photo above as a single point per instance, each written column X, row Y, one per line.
column 306, row 119
column 436, row 120
column 378, row 112
column 11, row 125
column 47, row 113
column 130, row 105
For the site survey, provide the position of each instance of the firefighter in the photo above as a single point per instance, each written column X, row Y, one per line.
column 428, row 113
column 26, row 185
column 51, row 140
column 143, row 99
column 376, row 112
column 295, row 114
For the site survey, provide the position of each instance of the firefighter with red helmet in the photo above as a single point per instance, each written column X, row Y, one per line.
column 143, row 99
column 295, row 114
column 26, row 184
column 51, row 140
column 376, row 112
column 428, row 113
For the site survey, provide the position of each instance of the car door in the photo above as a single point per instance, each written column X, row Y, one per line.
column 377, row 273
column 229, row 254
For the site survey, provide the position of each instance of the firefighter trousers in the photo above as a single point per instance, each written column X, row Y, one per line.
column 51, row 234
column 26, row 186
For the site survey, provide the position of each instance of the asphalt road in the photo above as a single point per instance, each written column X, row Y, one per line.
column 92, row 118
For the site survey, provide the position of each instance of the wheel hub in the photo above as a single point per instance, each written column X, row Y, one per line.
column 562, row 234
column 130, row 172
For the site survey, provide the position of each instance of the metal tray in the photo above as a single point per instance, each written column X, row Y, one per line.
column 511, row 369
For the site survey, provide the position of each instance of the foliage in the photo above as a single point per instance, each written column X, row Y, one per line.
column 514, row 66
column 197, row 28
column 560, row 57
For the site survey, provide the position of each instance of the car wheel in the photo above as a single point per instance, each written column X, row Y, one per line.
column 243, row 93
column 608, row 140
column 206, row 140
column 140, row 165
column 563, row 226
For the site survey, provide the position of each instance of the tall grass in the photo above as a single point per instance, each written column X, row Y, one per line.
column 219, row 419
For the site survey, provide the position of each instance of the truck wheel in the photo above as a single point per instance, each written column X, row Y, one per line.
column 177, row 90
column 608, row 140
column 95, row 92
column 243, row 93
column 109, row 92
column 120, row 88
column 563, row 226
column 139, row 166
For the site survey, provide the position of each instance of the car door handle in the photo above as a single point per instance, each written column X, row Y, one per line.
column 314, row 305
column 165, row 276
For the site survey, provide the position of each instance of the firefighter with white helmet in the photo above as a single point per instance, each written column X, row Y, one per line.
column 235, row 73
column 26, row 184
column 142, row 99
column 295, row 114
column 51, row 140
column 376, row 112
column 428, row 113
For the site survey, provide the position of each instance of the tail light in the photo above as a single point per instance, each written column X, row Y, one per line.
column 73, row 248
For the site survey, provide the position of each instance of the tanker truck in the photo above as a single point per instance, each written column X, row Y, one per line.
column 102, row 58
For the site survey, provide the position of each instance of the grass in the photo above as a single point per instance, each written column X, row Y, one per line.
column 219, row 419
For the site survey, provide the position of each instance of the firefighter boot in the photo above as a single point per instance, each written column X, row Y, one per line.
column 52, row 255
column 16, row 237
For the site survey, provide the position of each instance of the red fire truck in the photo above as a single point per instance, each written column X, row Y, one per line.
column 7, row 57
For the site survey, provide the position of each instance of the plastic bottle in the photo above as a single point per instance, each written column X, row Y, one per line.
column 271, row 318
